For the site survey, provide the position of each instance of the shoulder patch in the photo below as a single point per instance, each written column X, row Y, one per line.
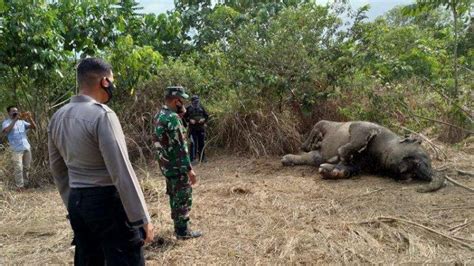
column 104, row 107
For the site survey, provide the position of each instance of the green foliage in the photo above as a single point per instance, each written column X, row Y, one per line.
column 458, row 8
column 289, row 61
column 395, row 53
column 421, row 6
column 219, row 25
column 163, row 33
column 133, row 64
column 30, row 52
column 291, row 57
column 181, row 73
column 86, row 28
column 129, row 21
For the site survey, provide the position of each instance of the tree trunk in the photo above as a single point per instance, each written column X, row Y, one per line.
column 455, row 17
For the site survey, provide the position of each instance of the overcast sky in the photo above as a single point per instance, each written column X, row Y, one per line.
column 377, row 7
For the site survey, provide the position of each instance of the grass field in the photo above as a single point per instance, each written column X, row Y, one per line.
column 254, row 211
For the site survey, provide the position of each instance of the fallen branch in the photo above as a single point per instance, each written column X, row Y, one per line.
column 458, row 184
column 458, row 227
column 462, row 172
column 434, row 147
column 454, row 208
column 393, row 219
column 442, row 168
column 442, row 122
column 463, row 239
column 370, row 192
column 363, row 194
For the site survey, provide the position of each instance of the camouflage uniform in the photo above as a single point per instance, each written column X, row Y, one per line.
column 173, row 158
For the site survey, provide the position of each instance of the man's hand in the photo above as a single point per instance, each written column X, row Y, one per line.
column 150, row 232
column 28, row 115
column 201, row 120
column 192, row 121
column 192, row 177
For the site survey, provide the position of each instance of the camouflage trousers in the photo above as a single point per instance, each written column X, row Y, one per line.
column 180, row 192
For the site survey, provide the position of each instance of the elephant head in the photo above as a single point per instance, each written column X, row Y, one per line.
column 409, row 160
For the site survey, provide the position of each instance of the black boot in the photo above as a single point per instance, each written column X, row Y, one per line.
column 183, row 233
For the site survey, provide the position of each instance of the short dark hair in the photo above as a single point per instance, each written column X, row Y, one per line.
column 90, row 69
column 10, row 107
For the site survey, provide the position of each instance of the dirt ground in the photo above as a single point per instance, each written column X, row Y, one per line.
column 254, row 211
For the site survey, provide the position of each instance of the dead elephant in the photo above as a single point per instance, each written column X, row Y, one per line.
column 343, row 149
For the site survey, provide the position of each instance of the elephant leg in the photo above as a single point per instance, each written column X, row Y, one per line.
column 313, row 158
column 360, row 136
column 313, row 141
column 338, row 171
column 326, row 170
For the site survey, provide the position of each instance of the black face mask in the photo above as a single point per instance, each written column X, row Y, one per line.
column 110, row 89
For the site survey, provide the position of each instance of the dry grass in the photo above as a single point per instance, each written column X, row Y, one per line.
column 254, row 211
column 260, row 133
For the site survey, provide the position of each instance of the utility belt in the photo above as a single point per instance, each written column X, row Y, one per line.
column 94, row 191
column 176, row 176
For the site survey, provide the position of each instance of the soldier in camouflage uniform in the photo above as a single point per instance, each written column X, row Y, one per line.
column 173, row 158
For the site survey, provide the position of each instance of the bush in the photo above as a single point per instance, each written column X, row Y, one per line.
column 258, row 132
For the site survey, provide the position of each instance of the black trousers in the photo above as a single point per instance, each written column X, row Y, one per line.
column 102, row 233
column 197, row 147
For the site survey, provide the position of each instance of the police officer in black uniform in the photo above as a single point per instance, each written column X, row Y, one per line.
column 196, row 117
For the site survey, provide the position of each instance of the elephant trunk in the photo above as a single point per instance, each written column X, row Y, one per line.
column 436, row 183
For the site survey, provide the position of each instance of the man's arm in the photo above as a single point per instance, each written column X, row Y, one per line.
column 178, row 137
column 186, row 115
column 59, row 170
column 31, row 123
column 7, row 128
column 114, row 151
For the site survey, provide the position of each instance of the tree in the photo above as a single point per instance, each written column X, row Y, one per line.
column 86, row 28
column 163, row 33
column 458, row 8
column 133, row 64
column 30, row 49
column 290, row 61
column 129, row 20
column 192, row 13
column 205, row 21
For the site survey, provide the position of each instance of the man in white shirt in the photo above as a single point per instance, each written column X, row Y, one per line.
column 16, row 129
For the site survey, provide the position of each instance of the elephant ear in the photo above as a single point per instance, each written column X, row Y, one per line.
column 411, row 139
column 406, row 165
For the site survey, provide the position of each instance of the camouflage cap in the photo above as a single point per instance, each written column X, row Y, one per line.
column 176, row 91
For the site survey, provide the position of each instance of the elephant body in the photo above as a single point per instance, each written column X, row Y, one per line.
column 343, row 149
